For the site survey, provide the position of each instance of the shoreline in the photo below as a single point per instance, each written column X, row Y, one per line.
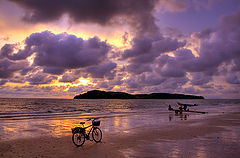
column 148, row 141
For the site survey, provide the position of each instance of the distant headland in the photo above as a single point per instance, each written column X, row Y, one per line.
column 97, row 94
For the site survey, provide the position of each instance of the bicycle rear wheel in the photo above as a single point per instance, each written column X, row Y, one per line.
column 97, row 134
column 78, row 139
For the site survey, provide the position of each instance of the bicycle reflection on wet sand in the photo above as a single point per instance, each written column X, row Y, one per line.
column 181, row 116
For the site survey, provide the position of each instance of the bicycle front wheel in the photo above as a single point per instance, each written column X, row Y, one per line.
column 78, row 139
column 97, row 134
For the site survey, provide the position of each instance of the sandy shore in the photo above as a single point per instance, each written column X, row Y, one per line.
column 206, row 137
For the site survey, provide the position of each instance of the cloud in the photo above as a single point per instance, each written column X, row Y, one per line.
column 169, row 67
column 8, row 51
column 8, row 68
column 174, row 84
column 66, row 51
column 38, row 79
column 232, row 79
column 2, row 82
column 191, row 90
column 102, row 12
column 221, row 44
column 68, row 78
column 200, row 78
column 59, row 52
column 132, row 84
column 146, row 49
column 150, row 79
column 138, row 68
column 54, row 70
column 101, row 71
column 173, row 5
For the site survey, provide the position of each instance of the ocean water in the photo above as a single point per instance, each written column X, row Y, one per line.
column 21, row 118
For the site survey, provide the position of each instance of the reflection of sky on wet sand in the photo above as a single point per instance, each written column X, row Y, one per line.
column 222, row 144
column 57, row 127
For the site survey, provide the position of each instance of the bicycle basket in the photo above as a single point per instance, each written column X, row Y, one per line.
column 96, row 122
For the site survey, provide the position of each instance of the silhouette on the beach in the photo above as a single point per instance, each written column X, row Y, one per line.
column 79, row 133
column 97, row 94
column 184, row 108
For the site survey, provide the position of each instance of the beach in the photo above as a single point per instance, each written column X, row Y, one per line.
column 181, row 135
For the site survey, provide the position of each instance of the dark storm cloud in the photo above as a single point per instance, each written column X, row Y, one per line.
column 204, row 33
column 146, row 49
column 2, row 82
column 236, row 65
column 103, row 12
column 173, row 5
column 232, row 79
column 55, row 53
column 199, row 78
column 54, row 70
column 150, row 79
column 66, row 51
column 222, row 44
column 144, row 52
column 218, row 47
column 169, row 67
column 68, row 78
column 138, row 68
column 174, row 84
column 40, row 79
column 8, row 51
column 191, row 90
column 133, row 84
column 26, row 70
column 104, row 70
column 8, row 68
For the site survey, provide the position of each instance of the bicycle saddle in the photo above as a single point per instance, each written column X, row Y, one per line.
column 82, row 123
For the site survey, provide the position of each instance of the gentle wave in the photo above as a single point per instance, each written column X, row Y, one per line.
column 43, row 114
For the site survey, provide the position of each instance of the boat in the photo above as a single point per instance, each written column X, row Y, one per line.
column 181, row 110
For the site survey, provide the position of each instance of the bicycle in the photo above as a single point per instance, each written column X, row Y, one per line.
column 79, row 133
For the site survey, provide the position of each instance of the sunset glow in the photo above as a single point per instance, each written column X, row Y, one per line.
column 158, row 46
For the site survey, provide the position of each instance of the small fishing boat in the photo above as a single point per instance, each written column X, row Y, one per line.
column 184, row 108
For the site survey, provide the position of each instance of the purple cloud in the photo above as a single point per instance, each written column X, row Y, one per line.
column 68, row 78
column 40, row 79
column 54, row 70
column 101, row 71
column 59, row 52
column 200, row 78
column 8, row 68
column 150, row 79
column 232, row 79
column 169, row 67
column 2, row 82
column 66, row 51
column 146, row 49
column 138, row 68
column 102, row 12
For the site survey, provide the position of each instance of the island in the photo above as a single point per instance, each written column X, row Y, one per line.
column 97, row 94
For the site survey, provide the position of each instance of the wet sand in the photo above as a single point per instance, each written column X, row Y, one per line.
column 216, row 136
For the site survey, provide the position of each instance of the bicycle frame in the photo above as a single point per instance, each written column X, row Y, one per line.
column 87, row 134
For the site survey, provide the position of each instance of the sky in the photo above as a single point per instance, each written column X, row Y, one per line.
column 61, row 48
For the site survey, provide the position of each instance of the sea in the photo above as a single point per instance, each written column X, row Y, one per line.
column 33, row 117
